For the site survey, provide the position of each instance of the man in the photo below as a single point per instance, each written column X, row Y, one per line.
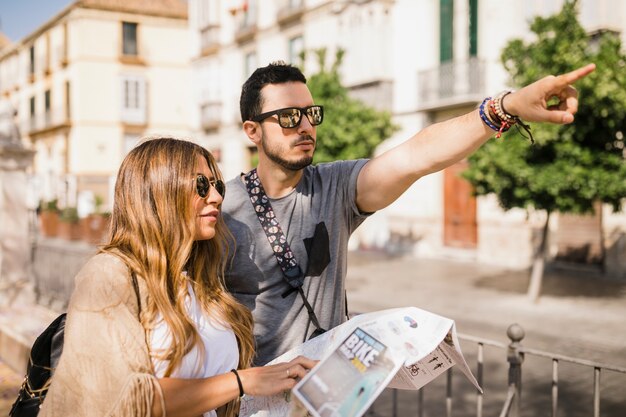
column 318, row 207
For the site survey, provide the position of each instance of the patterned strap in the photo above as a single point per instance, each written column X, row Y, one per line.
column 261, row 203
column 282, row 252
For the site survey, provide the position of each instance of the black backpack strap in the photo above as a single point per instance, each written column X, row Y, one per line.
column 136, row 288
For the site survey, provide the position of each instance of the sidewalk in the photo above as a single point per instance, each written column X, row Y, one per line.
column 579, row 313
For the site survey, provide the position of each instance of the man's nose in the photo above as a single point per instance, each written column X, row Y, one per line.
column 305, row 126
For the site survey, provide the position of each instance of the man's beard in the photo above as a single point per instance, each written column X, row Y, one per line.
column 274, row 155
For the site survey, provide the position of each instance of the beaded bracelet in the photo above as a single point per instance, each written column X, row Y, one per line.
column 505, row 122
column 496, row 115
column 498, row 108
column 484, row 117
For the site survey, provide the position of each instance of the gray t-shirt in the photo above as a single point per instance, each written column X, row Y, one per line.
column 317, row 218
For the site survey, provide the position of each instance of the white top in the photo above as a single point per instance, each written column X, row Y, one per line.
column 220, row 345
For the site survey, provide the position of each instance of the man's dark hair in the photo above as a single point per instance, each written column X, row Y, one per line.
column 275, row 73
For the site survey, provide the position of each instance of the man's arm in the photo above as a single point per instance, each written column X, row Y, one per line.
column 383, row 179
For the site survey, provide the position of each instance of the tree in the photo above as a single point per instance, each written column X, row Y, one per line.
column 351, row 129
column 570, row 167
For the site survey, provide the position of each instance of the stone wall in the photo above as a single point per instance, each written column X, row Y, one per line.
column 56, row 262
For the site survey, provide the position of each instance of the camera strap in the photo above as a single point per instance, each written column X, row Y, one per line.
column 292, row 273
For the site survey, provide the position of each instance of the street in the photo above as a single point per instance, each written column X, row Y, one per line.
column 579, row 315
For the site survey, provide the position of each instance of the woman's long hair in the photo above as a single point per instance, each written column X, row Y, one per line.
column 152, row 229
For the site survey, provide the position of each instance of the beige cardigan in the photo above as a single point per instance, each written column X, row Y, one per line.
column 105, row 368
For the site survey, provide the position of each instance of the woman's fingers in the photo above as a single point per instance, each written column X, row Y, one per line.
column 270, row 380
column 304, row 362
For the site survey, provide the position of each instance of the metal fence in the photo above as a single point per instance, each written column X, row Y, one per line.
column 510, row 402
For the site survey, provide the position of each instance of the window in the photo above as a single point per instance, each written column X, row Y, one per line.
column 129, row 39
column 130, row 141
column 47, row 113
column 32, row 60
column 67, row 100
column 296, row 46
column 32, row 114
column 473, row 27
column 47, row 101
column 249, row 64
column 249, row 14
column 446, row 15
column 133, row 96
column 208, row 13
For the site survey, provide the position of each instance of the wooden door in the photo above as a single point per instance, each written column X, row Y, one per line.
column 460, row 229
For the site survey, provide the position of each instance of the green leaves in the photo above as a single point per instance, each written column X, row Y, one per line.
column 572, row 166
column 351, row 129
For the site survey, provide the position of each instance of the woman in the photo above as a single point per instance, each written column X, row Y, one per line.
column 150, row 329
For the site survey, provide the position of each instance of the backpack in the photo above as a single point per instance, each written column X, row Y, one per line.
column 44, row 356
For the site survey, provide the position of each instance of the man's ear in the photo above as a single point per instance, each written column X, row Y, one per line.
column 252, row 130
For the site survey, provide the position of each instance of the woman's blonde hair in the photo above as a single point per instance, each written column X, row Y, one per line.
column 152, row 229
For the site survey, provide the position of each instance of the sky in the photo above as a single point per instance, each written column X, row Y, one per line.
column 19, row 18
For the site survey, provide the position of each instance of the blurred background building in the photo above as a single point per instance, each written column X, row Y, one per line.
column 91, row 81
column 424, row 61
column 102, row 73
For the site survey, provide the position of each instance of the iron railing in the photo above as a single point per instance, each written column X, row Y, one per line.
column 512, row 403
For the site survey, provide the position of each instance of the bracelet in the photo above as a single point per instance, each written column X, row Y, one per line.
column 496, row 115
column 484, row 117
column 241, row 393
column 499, row 110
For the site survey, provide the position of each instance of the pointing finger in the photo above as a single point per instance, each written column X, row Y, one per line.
column 577, row 74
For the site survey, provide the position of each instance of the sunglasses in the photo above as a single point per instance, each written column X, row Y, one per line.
column 290, row 117
column 203, row 186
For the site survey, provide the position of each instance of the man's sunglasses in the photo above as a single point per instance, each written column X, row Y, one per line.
column 290, row 117
column 203, row 186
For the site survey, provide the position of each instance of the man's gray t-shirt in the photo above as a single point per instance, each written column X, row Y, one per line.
column 317, row 219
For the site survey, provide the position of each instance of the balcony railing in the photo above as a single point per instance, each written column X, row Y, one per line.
column 210, row 115
column 378, row 94
column 51, row 119
column 452, row 83
column 290, row 11
column 209, row 39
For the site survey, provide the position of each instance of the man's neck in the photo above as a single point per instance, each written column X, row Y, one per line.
column 278, row 181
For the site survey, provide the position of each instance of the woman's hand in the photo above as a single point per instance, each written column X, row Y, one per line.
column 274, row 379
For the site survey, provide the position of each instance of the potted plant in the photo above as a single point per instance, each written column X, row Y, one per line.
column 49, row 217
column 69, row 224
column 96, row 224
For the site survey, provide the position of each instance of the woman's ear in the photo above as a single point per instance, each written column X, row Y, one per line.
column 252, row 130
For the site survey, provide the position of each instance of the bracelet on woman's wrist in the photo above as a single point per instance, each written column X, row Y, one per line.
column 241, row 393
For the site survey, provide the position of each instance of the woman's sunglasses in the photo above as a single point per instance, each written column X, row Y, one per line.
column 290, row 117
column 203, row 186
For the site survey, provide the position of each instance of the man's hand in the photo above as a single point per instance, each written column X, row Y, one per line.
column 530, row 102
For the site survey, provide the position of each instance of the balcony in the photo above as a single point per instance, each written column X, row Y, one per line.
column 47, row 122
column 246, row 27
column 61, row 56
column 290, row 12
column 209, row 39
column 451, row 84
column 377, row 94
column 210, row 116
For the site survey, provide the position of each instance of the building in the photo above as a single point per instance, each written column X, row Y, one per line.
column 92, row 80
column 425, row 61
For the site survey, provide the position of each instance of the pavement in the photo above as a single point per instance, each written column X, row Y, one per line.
column 579, row 314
